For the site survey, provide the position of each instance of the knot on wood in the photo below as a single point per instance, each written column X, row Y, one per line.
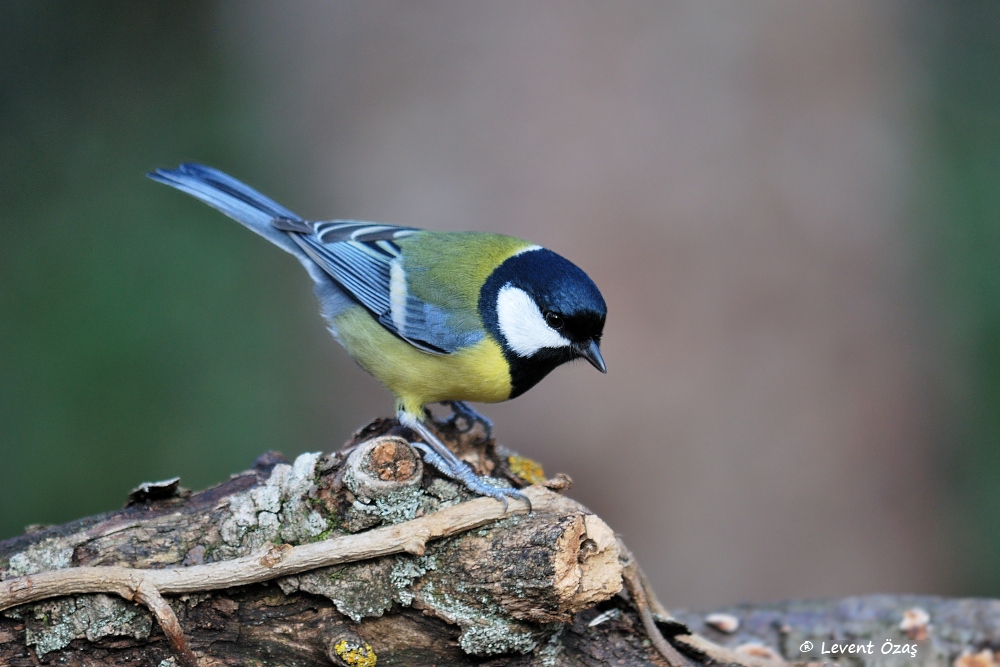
column 273, row 554
column 382, row 466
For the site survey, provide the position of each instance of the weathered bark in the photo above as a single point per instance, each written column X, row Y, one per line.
column 506, row 587
column 445, row 579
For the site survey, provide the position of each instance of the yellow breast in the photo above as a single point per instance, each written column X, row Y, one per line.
column 475, row 373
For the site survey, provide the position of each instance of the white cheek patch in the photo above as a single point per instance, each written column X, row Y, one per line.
column 522, row 323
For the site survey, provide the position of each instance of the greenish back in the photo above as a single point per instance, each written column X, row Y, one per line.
column 447, row 269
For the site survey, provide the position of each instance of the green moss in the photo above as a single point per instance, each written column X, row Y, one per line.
column 325, row 535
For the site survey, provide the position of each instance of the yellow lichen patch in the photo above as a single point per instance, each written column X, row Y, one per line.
column 527, row 469
column 355, row 654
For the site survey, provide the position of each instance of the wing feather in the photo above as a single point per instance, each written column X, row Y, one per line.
column 333, row 231
column 359, row 256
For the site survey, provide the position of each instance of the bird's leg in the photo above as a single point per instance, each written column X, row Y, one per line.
column 437, row 454
column 463, row 410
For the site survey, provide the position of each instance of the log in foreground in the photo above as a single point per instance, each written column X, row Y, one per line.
column 366, row 556
column 366, row 533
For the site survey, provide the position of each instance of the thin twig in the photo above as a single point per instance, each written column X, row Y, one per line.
column 630, row 575
column 147, row 594
column 659, row 611
column 669, row 653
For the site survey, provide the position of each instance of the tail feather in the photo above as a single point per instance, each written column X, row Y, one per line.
column 236, row 199
column 255, row 211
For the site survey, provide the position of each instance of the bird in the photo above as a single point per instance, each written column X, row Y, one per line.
column 434, row 316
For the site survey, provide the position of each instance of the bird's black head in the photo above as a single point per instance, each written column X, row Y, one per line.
column 544, row 311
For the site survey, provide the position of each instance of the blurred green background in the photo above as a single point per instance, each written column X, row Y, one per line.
column 144, row 336
column 138, row 332
column 956, row 225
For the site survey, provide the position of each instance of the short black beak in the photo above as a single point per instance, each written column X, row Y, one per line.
column 592, row 353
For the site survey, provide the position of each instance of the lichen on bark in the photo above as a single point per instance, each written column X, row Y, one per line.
column 54, row 624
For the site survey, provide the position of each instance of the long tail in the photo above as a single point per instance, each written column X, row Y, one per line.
column 255, row 211
column 236, row 199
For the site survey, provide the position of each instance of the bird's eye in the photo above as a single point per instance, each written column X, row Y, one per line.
column 554, row 320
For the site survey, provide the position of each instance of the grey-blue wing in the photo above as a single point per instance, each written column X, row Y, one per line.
column 365, row 261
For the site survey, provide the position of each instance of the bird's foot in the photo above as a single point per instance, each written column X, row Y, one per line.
column 468, row 414
column 437, row 454
column 464, row 474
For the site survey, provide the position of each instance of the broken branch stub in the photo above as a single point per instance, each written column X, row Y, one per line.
column 381, row 467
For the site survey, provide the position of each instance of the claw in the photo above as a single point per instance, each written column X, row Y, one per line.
column 527, row 500
column 520, row 496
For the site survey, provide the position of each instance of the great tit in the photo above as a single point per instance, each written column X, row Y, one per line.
column 434, row 316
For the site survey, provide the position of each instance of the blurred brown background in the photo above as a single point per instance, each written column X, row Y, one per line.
column 761, row 191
